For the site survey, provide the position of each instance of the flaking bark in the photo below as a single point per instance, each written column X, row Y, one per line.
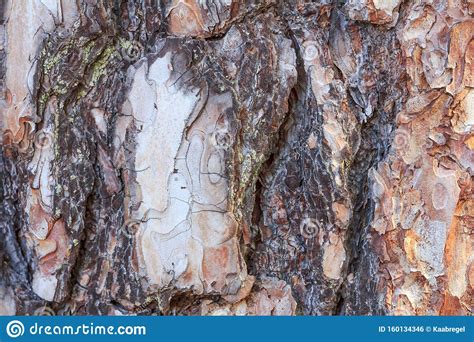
column 236, row 157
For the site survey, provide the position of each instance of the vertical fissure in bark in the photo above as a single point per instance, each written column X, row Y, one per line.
column 376, row 135
column 16, row 270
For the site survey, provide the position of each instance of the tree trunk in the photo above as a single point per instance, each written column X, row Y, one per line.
column 237, row 157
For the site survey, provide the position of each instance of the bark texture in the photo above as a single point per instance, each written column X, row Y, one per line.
column 237, row 157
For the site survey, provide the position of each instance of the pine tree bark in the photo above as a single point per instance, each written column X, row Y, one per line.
column 237, row 157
